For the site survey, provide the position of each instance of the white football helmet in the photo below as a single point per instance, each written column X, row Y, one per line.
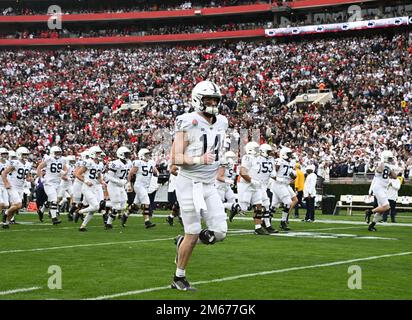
column 143, row 154
column 229, row 157
column 387, row 156
column 265, row 150
column 55, row 152
column 252, row 148
column 12, row 155
column 206, row 89
column 4, row 153
column 84, row 155
column 286, row 153
column 22, row 153
column 71, row 159
column 123, row 153
column 95, row 152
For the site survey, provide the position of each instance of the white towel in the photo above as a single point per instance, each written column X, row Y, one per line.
column 198, row 197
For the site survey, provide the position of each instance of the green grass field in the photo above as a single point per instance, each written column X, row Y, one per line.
column 309, row 262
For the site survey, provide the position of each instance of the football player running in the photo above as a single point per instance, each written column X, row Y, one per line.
column 4, row 196
column 16, row 173
column 249, row 187
column 379, row 187
column 197, row 150
column 171, row 195
column 117, row 177
column 266, row 166
column 77, row 186
column 56, row 170
column 65, row 192
column 144, row 168
column 284, row 175
column 89, row 173
column 225, row 180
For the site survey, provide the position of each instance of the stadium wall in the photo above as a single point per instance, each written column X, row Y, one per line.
column 256, row 33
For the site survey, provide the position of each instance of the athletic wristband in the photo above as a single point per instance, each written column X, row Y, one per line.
column 196, row 160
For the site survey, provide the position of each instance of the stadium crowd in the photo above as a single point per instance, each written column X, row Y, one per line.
column 114, row 7
column 133, row 30
column 71, row 97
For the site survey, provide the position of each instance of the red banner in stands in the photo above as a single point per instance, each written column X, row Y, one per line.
column 135, row 39
column 142, row 15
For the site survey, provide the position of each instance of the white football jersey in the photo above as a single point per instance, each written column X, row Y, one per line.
column 252, row 164
column 144, row 172
column 79, row 163
column 120, row 169
column 19, row 174
column 266, row 167
column 93, row 171
column 230, row 172
column 3, row 166
column 285, row 168
column 202, row 137
column 381, row 180
column 54, row 167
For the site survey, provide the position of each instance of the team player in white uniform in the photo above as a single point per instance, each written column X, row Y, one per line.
column 198, row 150
column 92, row 179
column 264, row 174
column 56, row 170
column 171, row 195
column 225, row 179
column 379, row 187
column 77, row 186
column 101, row 188
column 4, row 196
column 144, row 168
column 117, row 180
column 249, row 186
column 65, row 192
column 284, row 175
column 14, row 176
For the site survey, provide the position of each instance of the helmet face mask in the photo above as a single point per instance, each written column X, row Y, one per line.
column 4, row 153
column 387, row 157
column 123, row 153
column 55, row 152
column 286, row 153
column 265, row 150
column 252, row 148
column 206, row 97
column 22, row 153
column 144, row 154
column 229, row 157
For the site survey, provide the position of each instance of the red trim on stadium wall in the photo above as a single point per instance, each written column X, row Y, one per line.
column 322, row 3
column 143, row 15
column 135, row 39
column 176, row 13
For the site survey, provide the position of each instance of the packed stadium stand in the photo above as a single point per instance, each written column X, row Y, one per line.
column 72, row 96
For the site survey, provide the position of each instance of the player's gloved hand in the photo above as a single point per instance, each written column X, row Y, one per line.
column 255, row 183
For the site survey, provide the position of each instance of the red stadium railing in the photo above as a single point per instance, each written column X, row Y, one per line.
column 322, row 3
column 136, row 39
column 142, row 15
column 245, row 9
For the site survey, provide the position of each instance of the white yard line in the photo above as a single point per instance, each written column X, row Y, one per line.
column 83, row 245
column 248, row 275
column 4, row 293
